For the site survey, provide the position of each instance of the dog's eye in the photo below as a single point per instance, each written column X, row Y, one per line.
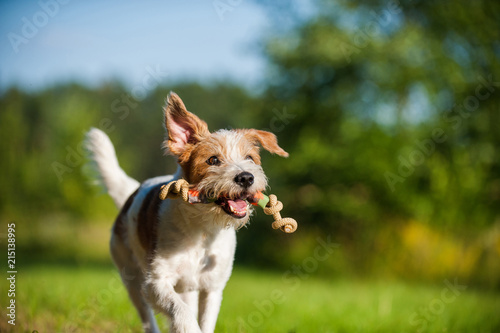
column 249, row 158
column 214, row 160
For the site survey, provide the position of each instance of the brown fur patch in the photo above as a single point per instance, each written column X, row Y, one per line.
column 267, row 140
column 249, row 148
column 148, row 219
column 184, row 128
column 194, row 159
column 120, row 226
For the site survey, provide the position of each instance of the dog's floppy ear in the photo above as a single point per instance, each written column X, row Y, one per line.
column 267, row 140
column 183, row 127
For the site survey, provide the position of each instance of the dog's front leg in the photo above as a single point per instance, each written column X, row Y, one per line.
column 161, row 293
column 208, row 309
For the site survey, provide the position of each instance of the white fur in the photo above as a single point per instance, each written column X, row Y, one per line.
column 105, row 165
column 195, row 245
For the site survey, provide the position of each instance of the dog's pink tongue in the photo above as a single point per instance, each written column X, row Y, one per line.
column 238, row 205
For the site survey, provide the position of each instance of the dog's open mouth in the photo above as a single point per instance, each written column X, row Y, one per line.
column 236, row 207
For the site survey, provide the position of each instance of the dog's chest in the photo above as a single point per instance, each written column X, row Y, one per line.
column 194, row 268
column 204, row 264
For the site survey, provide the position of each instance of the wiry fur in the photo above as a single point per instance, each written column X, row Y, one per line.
column 105, row 165
column 175, row 257
column 235, row 149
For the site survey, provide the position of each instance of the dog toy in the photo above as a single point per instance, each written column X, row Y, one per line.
column 270, row 204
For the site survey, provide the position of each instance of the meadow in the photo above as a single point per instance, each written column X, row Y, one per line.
column 65, row 298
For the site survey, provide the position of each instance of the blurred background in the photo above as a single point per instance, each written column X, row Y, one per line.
column 389, row 110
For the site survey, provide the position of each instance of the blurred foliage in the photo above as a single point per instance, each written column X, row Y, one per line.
column 396, row 119
column 393, row 137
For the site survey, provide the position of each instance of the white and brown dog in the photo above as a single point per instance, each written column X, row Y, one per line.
column 175, row 257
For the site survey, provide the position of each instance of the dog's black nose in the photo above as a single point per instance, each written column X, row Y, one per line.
column 244, row 179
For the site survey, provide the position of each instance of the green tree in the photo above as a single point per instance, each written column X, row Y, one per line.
column 395, row 118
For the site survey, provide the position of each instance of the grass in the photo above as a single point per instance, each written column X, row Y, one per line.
column 91, row 299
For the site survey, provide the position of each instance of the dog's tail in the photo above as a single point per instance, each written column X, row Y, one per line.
column 105, row 168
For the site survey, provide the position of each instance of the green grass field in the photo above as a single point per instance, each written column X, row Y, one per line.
column 68, row 299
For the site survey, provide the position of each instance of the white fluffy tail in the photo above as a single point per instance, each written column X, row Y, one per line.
column 105, row 165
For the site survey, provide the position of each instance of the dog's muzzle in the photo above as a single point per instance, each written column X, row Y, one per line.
column 237, row 205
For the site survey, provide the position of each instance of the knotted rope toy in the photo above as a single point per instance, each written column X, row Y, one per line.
column 270, row 204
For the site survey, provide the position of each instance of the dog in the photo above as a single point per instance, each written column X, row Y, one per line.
column 175, row 257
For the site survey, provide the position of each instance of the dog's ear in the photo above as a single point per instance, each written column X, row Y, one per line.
column 267, row 140
column 183, row 127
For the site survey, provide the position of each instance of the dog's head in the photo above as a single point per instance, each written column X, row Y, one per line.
column 224, row 165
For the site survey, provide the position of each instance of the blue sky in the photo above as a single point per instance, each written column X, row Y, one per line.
column 50, row 41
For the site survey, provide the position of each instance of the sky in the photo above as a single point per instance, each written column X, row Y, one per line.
column 47, row 42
